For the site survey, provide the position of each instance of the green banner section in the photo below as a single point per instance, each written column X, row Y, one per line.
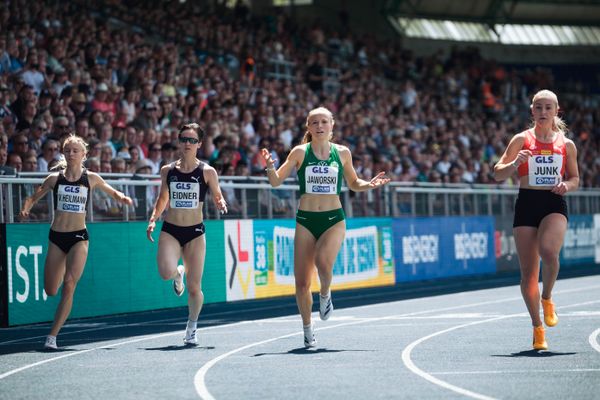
column 120, row 275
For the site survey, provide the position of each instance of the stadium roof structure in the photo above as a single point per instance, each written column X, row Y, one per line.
column 518, row 22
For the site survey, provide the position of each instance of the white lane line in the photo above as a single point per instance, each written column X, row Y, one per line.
column 406, row 354
column 516, row 371
column 210, row 317
column 102, row 328
column 200, row 377
column 593, row 339
column 107, row 346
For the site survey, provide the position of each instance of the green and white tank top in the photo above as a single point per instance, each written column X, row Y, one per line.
column 321, row 176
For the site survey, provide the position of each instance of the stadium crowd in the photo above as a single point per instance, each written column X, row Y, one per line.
column 125, row 78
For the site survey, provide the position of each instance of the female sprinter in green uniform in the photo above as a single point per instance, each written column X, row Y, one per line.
column 320, row 220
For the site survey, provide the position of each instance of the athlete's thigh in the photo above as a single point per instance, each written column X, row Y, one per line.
column 76, row 259
column 329, row 244
column 54, row 268
column 526, row 241
column 304, row 253
column 194, row 253
column 169, row 252
column 551, row 233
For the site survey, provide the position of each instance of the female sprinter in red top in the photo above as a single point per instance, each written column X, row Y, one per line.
column 546, row 162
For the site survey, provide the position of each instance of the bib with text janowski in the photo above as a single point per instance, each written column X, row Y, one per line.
column 184, row 195
column 71, row 198
column 321, row 178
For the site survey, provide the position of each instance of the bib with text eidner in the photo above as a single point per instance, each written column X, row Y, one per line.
column 544, row 169
column 71, row 198
column 184, row 195
column 321, row 179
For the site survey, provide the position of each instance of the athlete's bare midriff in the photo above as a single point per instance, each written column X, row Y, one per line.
column 319, row 202
column 185, row 217
column 68, row 222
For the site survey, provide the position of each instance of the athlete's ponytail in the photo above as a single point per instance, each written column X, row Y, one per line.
column 559, row 125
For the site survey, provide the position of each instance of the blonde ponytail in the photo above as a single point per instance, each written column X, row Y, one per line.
column 559, row 125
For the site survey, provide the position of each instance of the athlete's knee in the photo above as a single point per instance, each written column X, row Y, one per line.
column 194, row 290
column 302, row 285
column 166, row 272
column 324, row 264
column 548, row 254
column 51, row 290
column 69, row 286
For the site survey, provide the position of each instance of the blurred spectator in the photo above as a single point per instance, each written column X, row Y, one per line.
column 14, row 161
column 4, row 168
column 143, row 196
column 167, row 153
column 50, row 151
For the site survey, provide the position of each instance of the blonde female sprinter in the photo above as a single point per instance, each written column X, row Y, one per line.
column 546, row 163
column 320, row 219
column 68, row 238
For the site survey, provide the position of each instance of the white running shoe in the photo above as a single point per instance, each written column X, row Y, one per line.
column 309, row 336
column 50, row 343
column 325, row 307
column 190, row 338
column 178, row 285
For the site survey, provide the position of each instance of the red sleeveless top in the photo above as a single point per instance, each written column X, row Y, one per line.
column 546, row 166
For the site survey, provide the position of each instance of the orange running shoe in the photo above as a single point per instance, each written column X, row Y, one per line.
column 539, row 338
column 550, row 317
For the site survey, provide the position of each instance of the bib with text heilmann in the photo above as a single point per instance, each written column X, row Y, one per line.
column 544, row 169
column 184, row 194
column 71, row 198
column 321, row 179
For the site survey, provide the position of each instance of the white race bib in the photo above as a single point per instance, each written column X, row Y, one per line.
column 544, row 170
column 321, row 179
column 184, row 194
column 71, row 198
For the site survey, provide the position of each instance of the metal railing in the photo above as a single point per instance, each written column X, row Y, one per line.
column 254, row 198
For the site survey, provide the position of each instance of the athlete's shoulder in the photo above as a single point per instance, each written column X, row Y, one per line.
column 52, row 178
column 207, row 167
column 522, row 134
column 300, row 148
column 567, row 140
column 341, row 148
column 298, row 151
column 519, row 138
column 167, row 167
column 90, row 174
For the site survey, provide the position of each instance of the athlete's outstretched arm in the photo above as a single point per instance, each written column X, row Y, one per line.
column 277, row 176
column 161, row 202
column 352, row 180
column 97, row 181
column 210, row 175
column 40, row 192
